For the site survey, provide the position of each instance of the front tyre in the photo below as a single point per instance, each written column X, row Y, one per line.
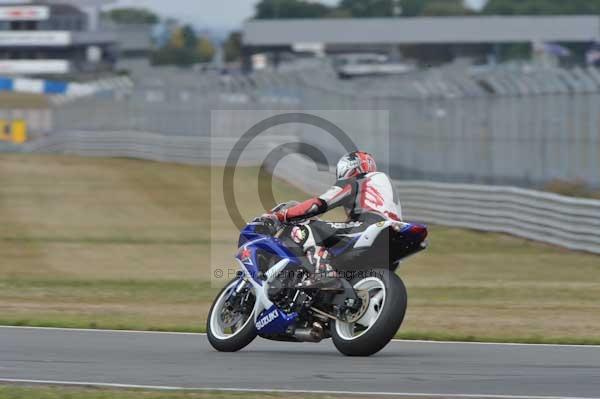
column 381, row 320
column 230, row 324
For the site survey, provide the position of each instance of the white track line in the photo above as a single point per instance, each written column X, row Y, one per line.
column 394, row 340
column 101, row 330
column 282, row 391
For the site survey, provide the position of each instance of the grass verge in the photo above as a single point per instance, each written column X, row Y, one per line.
column 127, row 244
column 53, row 392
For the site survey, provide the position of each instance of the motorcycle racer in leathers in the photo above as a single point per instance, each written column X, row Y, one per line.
column 367, row 196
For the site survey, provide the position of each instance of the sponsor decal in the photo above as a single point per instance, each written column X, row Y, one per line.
column 299, row 234
column 245, row 255
column 261, row 323
column 24, row 13
column 344, row 225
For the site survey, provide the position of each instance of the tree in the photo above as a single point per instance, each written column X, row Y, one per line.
column 281, row 9
column 410, row 8
column 367, row 8
column 339, row 13
column 413, row 8
column 184, row 37
column 542, row 7
column 170, row 55
column 177, row 40
column 132, row 16
column 206, row 50
column 184, row 49
column 190, row 39
column 233, row 47
column 445, row 8
column 286, row 9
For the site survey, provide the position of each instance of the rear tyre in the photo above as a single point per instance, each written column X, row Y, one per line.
column 229, row 331
column 382, row 319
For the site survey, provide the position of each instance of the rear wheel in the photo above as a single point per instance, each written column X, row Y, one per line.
column 230, row 324
column 381, row 320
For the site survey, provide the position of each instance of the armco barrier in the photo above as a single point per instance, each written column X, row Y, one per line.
column 63, row 88
column 195, row 150
column 572, row 223
column 569, row 222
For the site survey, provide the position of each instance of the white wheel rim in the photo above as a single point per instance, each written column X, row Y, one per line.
column 377, row 293
column 216, row 327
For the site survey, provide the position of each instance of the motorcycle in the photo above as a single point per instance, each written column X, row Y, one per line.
column 361, row 314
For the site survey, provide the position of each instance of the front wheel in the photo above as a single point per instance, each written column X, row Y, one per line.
column 230, row 324
column 381, row 320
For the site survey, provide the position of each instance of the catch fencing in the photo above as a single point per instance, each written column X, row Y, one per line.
column 517, row 126
column 567, row 222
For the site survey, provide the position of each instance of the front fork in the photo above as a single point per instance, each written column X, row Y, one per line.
column 261, row 287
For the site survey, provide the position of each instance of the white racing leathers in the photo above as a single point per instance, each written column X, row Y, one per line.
column 367, row 199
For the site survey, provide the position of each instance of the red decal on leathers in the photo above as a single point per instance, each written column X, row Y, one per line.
column 370, row 197
column 300, row 210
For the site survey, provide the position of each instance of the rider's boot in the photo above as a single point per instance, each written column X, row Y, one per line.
column 324, row 278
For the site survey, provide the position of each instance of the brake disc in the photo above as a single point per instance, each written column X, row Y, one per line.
column 230, row 319
column 363, row 295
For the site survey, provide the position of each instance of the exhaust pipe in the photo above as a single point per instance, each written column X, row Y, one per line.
column 314, row 334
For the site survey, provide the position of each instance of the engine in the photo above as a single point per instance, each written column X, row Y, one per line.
column 283, row 294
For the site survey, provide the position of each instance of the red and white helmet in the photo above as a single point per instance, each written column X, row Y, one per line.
column 354, row 164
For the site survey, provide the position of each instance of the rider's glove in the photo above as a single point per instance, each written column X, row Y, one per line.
column 271, row 218
column 271, row 221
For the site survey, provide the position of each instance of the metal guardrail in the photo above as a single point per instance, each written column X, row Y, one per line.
column 193, row 150
column 567, row 222
column 564, row 221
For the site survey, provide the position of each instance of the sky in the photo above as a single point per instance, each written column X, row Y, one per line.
column 212, row 14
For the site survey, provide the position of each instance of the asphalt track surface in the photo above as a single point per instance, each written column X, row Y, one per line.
column 170, row 360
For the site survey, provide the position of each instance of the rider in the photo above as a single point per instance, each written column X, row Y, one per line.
column 368, row 197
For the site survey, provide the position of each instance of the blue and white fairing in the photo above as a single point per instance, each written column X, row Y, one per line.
column 250, row 242
column 274, row 321
column 268, row 318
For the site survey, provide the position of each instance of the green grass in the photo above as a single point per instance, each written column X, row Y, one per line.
column 14, row 392
column 128, row 244
column 575, row 188
column 503, row 338
column 15, row 100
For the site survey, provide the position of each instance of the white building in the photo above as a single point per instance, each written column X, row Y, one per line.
column 54, row 37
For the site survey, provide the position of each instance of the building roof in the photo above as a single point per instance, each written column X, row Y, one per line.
column 57, row 8
column 82, row 3
column 423, row 30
